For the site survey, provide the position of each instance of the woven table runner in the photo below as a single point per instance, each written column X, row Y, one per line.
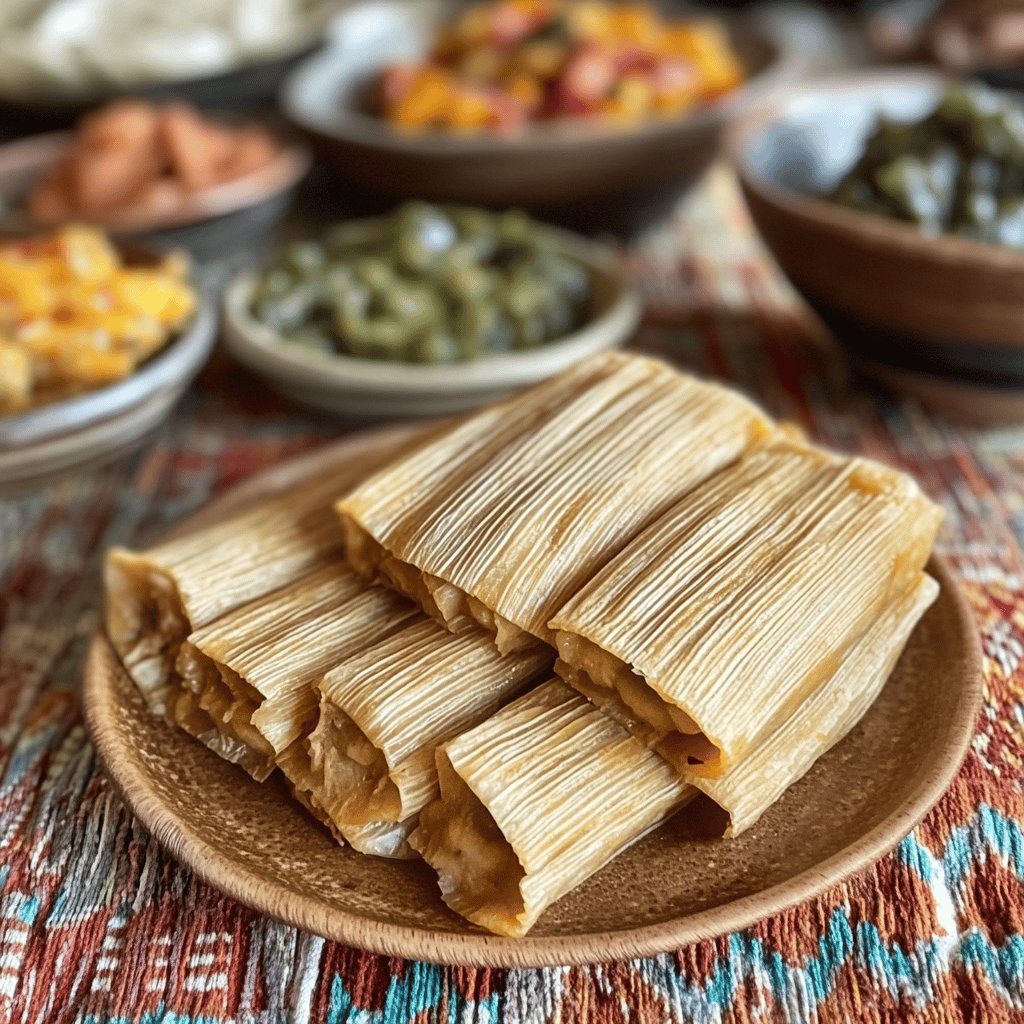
column 98, row 924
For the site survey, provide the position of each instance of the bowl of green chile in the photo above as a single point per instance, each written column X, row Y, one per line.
column 427, row 311
column 892, row 199
column 958, row 169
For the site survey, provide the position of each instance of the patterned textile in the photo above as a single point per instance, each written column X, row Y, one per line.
column 98, row 924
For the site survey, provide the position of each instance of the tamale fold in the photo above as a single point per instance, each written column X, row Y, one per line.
column 384, row 712
column 748, row 789
column 714, row 624
column 534, row 801
column 263, row 658
column 155, row 598
column 382, row 838
column 502, row 519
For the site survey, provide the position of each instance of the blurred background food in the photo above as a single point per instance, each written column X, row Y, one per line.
column 428, row 311
column 930, row 312
column 75, row 48
column 504, row 63
column 593, row 168
column 425, row 285
column 962, row 35
column 959, row 169
column 598, row 114
column 142, row 161
column 75, row 316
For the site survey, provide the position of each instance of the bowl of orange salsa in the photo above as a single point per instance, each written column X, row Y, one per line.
column 548, row 104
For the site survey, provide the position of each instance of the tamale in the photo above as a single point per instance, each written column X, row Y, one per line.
column 534, row 801
column 748, row 789
column 384, row 712
column 713, row 625
column 501, row 519
column 268, row 653
column 155, row 598
column 214, row 729
column 212, row 715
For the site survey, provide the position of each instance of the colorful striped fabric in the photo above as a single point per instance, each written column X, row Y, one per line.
column 97, row 924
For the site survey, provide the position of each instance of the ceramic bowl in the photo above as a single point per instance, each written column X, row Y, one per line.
column 368, row 389
column 92, row 428
column 237, row 215
column 558, row 167
column 939, row 317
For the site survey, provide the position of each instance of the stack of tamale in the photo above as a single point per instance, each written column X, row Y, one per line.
column 725, row 601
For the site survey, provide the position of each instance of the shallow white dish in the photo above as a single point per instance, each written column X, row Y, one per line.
column 366, row 388
column 95, row 427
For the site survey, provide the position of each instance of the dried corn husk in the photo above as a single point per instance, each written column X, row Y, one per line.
column 268, row 653
column 534, row 801
column 542, row 795
column 504, row 517
column 383, row 838
column 155, row 598
column 757, row 781
column 714, row 624
column 384, row 712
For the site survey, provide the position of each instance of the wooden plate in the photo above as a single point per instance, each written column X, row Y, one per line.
column 672, row 888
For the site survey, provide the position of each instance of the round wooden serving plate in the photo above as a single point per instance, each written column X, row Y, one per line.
column 674, row 887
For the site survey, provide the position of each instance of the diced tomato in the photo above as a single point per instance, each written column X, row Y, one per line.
column 588, row 77
column 509, row 24
column 630, row 59
column 397, row 80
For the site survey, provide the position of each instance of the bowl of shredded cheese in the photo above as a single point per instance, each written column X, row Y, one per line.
column 96, row 344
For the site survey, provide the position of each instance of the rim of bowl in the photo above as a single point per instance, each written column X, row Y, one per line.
column 46, row 99
column 180, row 359
column 355, row 126
column 888, row 231
column 39, row 152
column 260, row 348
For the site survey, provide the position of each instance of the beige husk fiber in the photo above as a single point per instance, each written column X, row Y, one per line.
column 502, row 518
column 384, row 712
column 714, row 624
column 535, row 800
column 155, row 598
column 547, row 791
column 268, row 653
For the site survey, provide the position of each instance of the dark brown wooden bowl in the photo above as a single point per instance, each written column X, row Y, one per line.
column 569, row 171
column 930, row 315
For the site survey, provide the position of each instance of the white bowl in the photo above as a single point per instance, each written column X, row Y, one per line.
column 367, row 388
column 97, row 426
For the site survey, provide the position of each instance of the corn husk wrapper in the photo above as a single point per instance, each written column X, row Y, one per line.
column 504, row 517
column 384, row 712
column 155, row 598
column 748, row 789
column 214, row 727
column 267, row 654
column 711, row 628
column 534, row 801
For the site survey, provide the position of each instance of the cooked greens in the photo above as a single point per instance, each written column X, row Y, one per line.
column 959, row 170
column 428, row 284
